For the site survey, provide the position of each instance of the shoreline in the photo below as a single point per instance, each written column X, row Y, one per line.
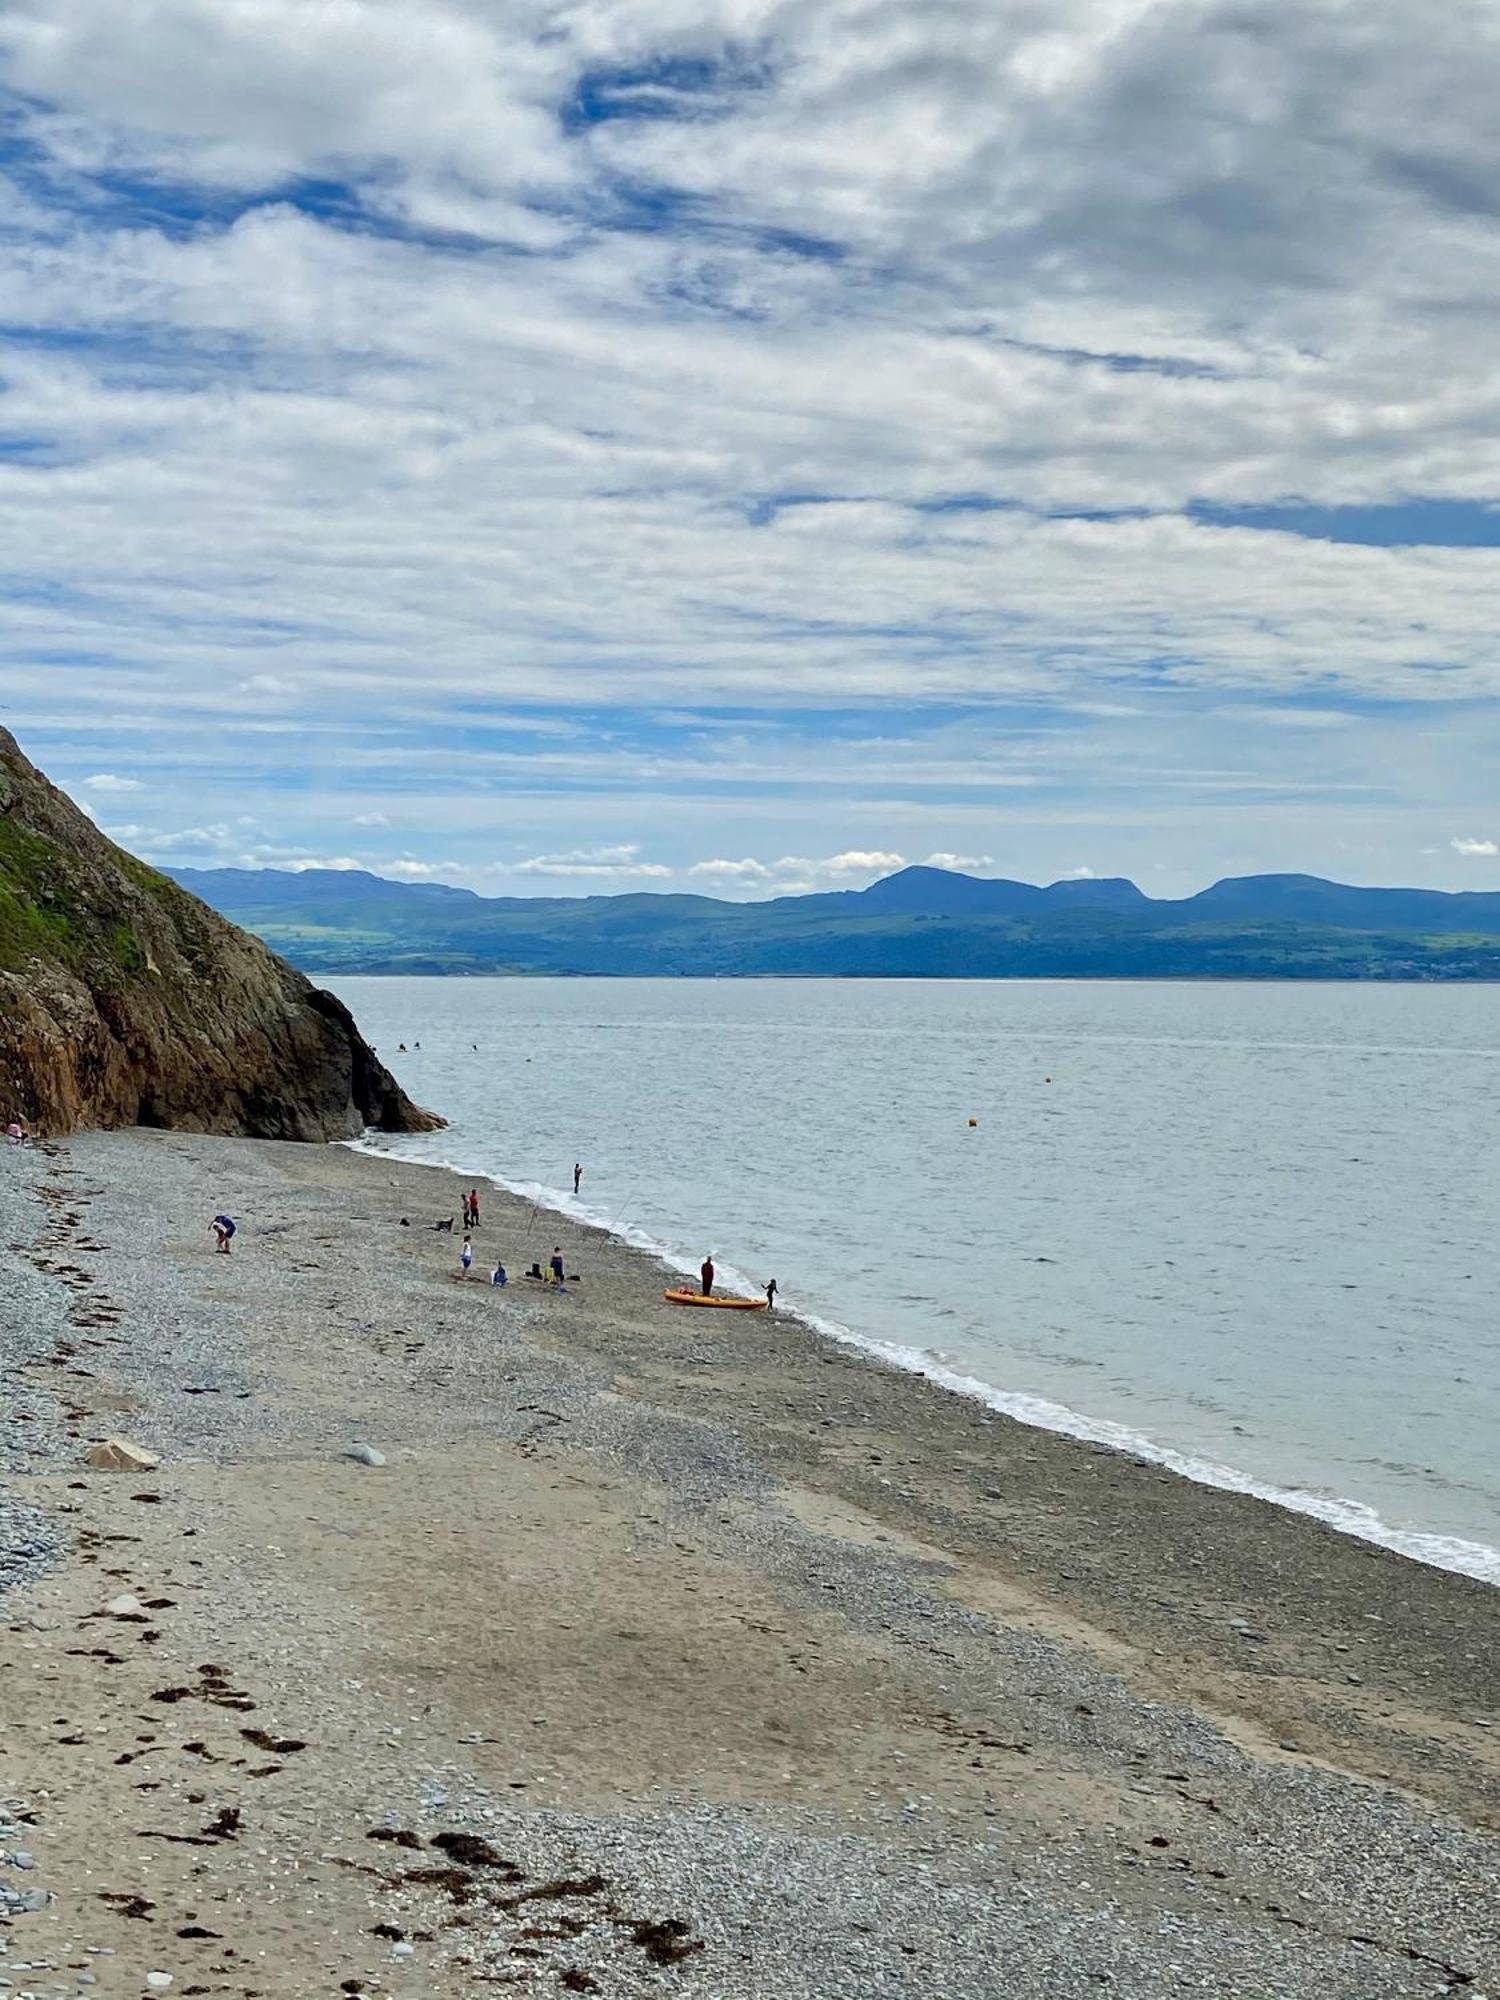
column 836, row 1684
column 1455, row 1554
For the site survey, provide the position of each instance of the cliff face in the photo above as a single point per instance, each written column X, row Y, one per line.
column 126, row 1001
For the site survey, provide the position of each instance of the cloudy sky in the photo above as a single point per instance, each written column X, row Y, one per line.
column 561, row 445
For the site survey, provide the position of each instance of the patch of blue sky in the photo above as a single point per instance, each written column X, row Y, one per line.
column 668, row 87
column 1411, row 523
column 1118, row 363
column 23, row 450
column 83, row 657
column 140, row 356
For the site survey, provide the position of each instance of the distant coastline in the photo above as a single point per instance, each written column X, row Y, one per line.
column 922, row 923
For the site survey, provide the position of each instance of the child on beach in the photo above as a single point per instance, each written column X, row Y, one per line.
column 497, row 1276
column 223, row 1228
column 466, row 1257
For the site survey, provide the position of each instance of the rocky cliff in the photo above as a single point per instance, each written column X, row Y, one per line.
column 126, row 1001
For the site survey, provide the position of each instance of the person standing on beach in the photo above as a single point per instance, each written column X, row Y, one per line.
column 471, row 1209
column 706, row 1277
column 557, row 1267
column 577, row 1176
column 771, row 1290
column 466, row 1257
column 223, row 1227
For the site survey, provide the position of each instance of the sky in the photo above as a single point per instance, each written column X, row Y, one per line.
column 558, row 446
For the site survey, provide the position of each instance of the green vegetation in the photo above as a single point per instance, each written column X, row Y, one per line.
column 34, row 919
column 53, row 908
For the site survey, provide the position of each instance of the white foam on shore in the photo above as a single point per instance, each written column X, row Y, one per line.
column 1349, row 1517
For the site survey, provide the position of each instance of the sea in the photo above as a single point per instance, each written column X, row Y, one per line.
column 1249, row 1230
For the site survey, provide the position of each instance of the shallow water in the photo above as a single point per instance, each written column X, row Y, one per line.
column 1253, row 1225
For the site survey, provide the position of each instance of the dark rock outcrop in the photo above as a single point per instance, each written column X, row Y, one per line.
column 126, row 1001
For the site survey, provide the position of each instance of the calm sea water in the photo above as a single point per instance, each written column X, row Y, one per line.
column 1252, row 1226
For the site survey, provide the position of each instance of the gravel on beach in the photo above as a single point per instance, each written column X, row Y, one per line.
column 643, row 1657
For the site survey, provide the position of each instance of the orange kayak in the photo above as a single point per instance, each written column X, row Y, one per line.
column 681, row 1296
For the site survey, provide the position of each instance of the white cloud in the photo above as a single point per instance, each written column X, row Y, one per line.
column 407, row 870
column 619, row 863
column 796, row 874
column 106, row 781
column 371, row 819
column 1078, row 875
column 273, row 687
column 748, row 870
column 961, row 864
column 1474, row 847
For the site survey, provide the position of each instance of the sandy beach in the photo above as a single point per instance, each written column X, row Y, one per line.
column 665, row 1653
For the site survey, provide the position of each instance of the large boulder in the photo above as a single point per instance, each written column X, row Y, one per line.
column 126, row 1001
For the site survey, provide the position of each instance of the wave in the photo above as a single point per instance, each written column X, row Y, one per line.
column 1349, row 1517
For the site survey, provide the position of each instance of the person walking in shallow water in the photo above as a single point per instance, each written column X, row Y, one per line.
column 706, row 1277
column 771, row 1290
column 577, row 1176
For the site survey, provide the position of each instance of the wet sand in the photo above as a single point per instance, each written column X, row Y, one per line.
column 761, row 1668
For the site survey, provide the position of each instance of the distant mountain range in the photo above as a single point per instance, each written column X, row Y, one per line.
column 920, row 923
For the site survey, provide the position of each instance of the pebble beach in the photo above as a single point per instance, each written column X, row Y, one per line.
column 466, row 1638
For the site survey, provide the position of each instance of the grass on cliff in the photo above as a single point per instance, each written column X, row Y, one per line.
column 43, row 914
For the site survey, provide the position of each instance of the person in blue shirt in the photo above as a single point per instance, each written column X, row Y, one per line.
column 223, row 1228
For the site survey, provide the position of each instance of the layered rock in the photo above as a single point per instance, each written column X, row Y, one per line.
column 126, row 1001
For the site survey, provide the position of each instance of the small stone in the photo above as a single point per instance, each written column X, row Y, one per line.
column 159, row 1981
column 366, row 1454
column 124, row 1606
column 119, row 1455
column 402, row 1950
column 21, row 1860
